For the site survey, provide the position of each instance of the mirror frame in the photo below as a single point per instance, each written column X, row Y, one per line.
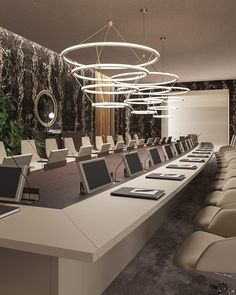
column 55, row 107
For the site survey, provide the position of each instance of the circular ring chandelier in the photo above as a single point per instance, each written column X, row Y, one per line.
column 173, row 99
column 140, row 72
column 162, row 116
column 154, row 54
column 143, row 101
column 177, row 91
column 143, row 112
column 172, row 78
column 91, row 88
column 109, row 105
column 163, row 108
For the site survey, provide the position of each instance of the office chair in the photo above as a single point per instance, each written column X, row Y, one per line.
column 50, row 144
column 209, row 253
column 86, row 140
column 99, row 142
column 29, row 147
column 111, row 141
column 3, row 152
column 69, row 143
column 120, row 138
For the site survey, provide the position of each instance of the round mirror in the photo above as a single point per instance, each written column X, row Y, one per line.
column 45, row 107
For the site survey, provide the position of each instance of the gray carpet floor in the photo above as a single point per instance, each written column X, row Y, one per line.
column 152, row 271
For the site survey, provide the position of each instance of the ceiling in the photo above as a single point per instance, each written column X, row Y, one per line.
column 201, row 34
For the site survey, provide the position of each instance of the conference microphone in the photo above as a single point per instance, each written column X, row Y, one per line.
column 26, row 180
column 144, row 162
column 122, row 160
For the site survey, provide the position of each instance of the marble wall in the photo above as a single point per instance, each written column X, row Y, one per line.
column 26, row 68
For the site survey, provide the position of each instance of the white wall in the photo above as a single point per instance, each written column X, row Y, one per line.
column 204, row 112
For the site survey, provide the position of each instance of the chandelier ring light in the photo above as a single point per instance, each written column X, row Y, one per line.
column 172, row 78
column 91, row 88
column 140, row 72
column 143, row 101
column 155, row 55
column 177, row 91
column 163, row 90
column 162, row 116
column 163, row 108
column 109, row 105
column 143, row 112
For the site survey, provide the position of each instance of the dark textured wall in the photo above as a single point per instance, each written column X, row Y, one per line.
column 144, row 125
column 26, row 68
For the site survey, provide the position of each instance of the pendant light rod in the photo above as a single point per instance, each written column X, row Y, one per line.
column 163, row 38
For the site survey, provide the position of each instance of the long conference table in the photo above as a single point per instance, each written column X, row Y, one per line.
column 81, row 248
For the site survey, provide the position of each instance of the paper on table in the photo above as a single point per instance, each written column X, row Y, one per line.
column 144, row 191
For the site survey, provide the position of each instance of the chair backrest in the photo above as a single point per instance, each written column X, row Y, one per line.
column 3, row 153
column 85, row 150
column 29, row 147
column 86, row 140
column 128, row 138
column 136, row 139
column 50, row 144
column 111, row 141
column 120, row 138
column 99, row 142
column 69, row 144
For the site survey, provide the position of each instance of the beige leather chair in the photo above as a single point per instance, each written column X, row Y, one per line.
column 29, row 147
column 216, row 220
column 128, row 138
column 219, row 184
column 111, row 141
column 69, row 144
column 139, row 141
column 3, row 153
column 231, row 165
column 226, row 175
column 206, row 252
column 50, row 144
column 219, row 198
column 136, row 138
column 86, row 140
column 99, row 142
column 120, row 138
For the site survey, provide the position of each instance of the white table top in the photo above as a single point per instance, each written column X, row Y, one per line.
column 87, row 230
